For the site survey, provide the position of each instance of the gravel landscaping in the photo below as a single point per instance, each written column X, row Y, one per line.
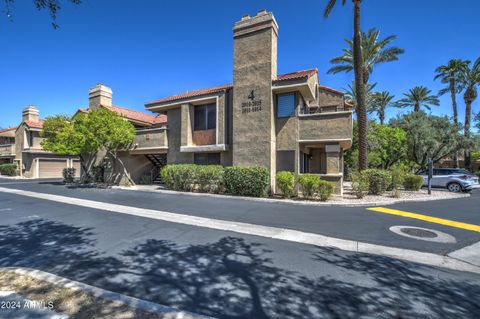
column 348, row 198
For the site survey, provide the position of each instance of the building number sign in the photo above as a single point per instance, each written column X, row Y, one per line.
column 253, row 105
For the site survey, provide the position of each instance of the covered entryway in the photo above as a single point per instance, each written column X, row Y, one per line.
column 51, row 168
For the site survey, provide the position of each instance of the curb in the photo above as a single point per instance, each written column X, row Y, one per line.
column 289, row 235
column 288, row 201
column 147, row 306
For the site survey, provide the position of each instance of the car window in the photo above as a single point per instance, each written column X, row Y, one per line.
column 422, row 173
column 438, row 172
column 460, row 171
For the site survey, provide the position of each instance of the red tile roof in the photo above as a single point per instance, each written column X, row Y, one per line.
column 138, row 116
column 187, row 94
column 297, row 75
column 283, row 77
column 32, row 124
column 330, row 89
column 134, row 115
column 8, row 129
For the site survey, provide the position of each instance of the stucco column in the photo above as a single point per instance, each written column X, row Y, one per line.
column 186, row 125
column 333, row 159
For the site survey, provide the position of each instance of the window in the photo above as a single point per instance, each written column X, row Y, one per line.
column 206, row 158
column 205, row 117
column 286, row 105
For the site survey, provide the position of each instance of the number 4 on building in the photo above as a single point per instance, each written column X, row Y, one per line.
column 252, row 95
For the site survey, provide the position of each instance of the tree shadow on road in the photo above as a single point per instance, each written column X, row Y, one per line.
column 238, row 278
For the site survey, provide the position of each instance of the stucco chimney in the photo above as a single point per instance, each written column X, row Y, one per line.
column 100, row 95
column 254, row 69
column 30, row 114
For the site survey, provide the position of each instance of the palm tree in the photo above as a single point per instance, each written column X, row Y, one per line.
column 350, row 96
column 470, row 78
column 380, row 101
column 417, row 97
column 450, row 74
column 359, row 87
column 374, row 52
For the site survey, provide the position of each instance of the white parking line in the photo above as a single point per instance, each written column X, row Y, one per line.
column 5, row 209
column 260, row 230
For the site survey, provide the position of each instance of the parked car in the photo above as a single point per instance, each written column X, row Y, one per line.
column 453, row 179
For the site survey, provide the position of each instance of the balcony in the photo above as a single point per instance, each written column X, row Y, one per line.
column 150, row 141
column 326, row 127
column 7, row 150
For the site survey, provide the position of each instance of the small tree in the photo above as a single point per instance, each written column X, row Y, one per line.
column 88, row 134
column 429, row 136
column 387, row 145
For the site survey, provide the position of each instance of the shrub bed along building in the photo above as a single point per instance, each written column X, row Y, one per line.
column 8, row 169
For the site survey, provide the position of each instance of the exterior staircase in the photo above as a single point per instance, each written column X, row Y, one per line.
column 158, row 161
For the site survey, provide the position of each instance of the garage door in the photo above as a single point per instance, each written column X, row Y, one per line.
column 50, row 168
column 76, row 165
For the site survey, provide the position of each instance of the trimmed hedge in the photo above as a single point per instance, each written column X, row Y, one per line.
column 312, row 186
column 69, row 175
column 247, row 181
column 413, row 182
column 286, row 183
column 8, row 169
column 309, row 184
column 378, row 180
column 325, row 190
column 190, row 177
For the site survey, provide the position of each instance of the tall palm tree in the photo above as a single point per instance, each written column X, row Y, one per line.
column 380, row 101
column 450, row 74
column 418, row 97
column 374, row 50
column 359, row 87
column 470, row 78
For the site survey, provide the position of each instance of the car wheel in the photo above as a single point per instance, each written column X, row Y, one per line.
column 454, row 187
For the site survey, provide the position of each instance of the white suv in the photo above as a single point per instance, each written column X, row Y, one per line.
column 454, row 179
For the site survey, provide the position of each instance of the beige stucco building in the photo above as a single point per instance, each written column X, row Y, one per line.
column 281, row 122
column 21, row 145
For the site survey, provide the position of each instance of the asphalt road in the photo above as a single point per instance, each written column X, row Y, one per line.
column 353, row 223
column 228, row 275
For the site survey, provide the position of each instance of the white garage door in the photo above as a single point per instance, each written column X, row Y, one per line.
column 51, row 168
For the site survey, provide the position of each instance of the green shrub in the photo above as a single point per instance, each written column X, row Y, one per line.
column 209, row 178
column 413, row 182
column 179, row 177
column 309, row 184
column 378, row 180
column 69, row 175
column 190, row 177
column 359, row 184
column 247, row 181
column 286, row 183
column 325, row 190
column 8, row 169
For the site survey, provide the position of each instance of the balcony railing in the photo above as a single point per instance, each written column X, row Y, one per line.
column 325, row 126
column 150, row 139
column 7, row 150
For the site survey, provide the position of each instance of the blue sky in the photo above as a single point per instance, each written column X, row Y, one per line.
column 145, row 50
